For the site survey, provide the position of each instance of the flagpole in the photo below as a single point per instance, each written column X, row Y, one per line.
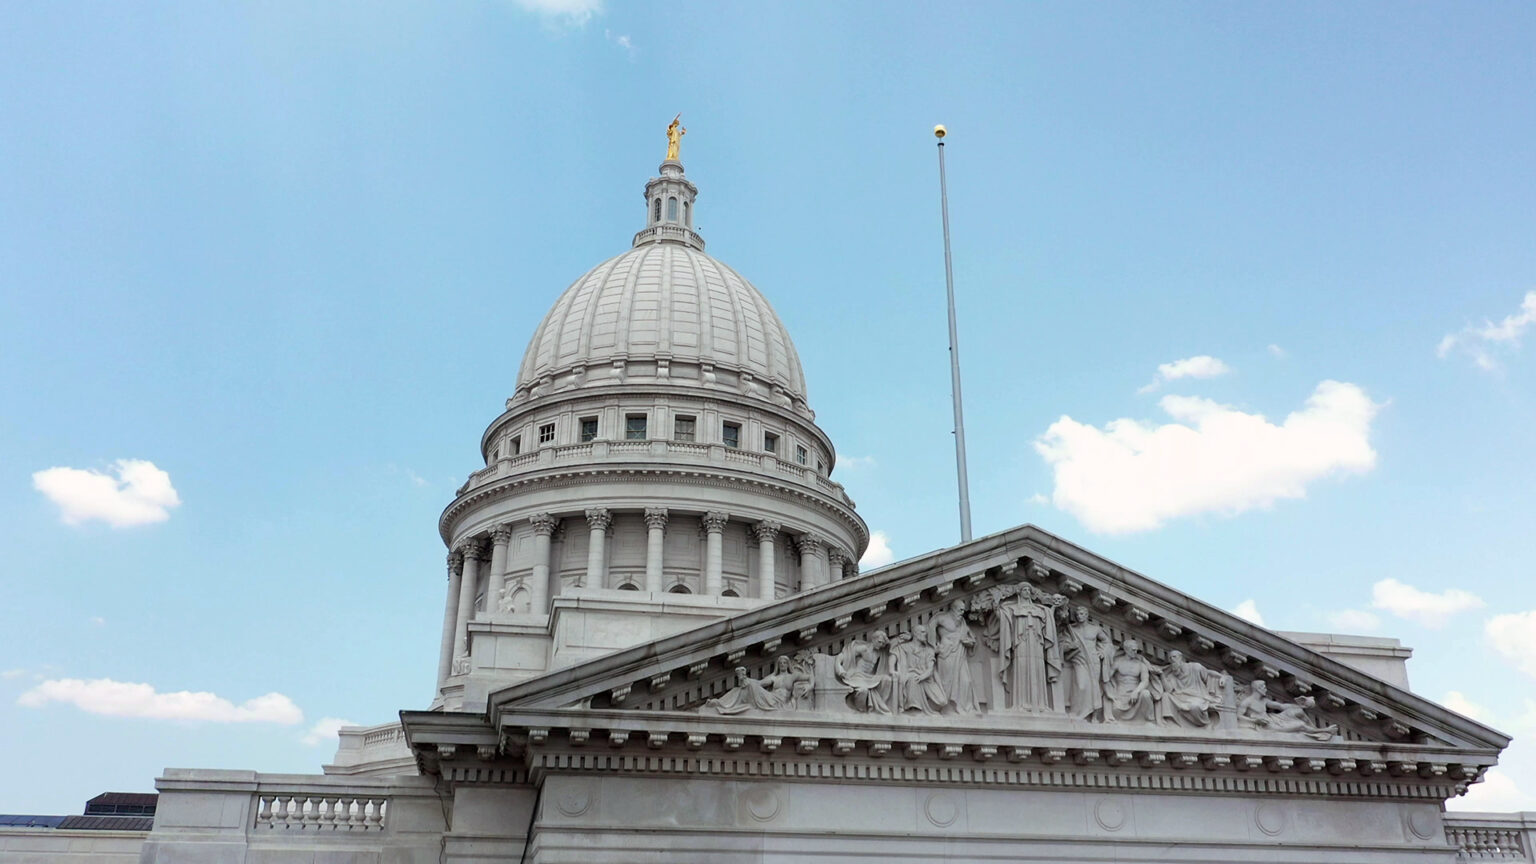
column 954, row 352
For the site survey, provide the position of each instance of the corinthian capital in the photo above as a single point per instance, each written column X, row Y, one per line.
column 714, row 521
column 471, row 550
column 656, row 517
column 501, row 535
column 599, row 519
column 812, row 543
column 766, row 531
column 543, row 524
column 455, row 561
column 836, row 558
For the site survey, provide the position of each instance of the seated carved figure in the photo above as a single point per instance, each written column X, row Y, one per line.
column 1191, row 692
column 782, row 689
column 1131, row 688
column 913, row 684
column 1257, row 711
column 859, row 669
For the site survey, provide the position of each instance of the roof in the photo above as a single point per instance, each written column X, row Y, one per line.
column 140, row 799
column 663, row 301
column 107, row 823
column 11, row 820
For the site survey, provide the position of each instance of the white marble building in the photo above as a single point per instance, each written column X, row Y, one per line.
column 656, row 646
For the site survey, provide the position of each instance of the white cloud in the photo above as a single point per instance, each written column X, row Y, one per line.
column 1277, row 352
column 623, row 41
column 1037, row 498
column 1422, row 607
column 879, row 552
column 1133, row 476
column 854, row 463
column 1201, row 366
column 126, row 699
column 573, row 12
column 1513, row 636
column 1458, row 702
column 1495, row 793
column 1249, row 611
column 12, row 674
column 98, row 621
column 139, row 494
column 325, row 731
column 1353, row 621
column 1478, row 342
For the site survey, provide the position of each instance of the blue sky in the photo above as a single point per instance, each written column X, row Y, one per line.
column 289, row 256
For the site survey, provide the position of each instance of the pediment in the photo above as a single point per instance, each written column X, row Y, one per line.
column 804, row 656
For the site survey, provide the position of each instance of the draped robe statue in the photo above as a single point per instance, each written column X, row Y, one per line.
column 1133, row 687
column 787, row 687
column 1191, row 692
column 913, row 685
column 1257, row 711
column 1031, row 655
column 858, row 668
column 1086, row 650
column 952, row 665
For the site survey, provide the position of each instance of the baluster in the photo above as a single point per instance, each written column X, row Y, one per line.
column 359, row 814
column 310, row 812
column 376, row 813
column 263, row 811
column 328, row 815
column 282, row 811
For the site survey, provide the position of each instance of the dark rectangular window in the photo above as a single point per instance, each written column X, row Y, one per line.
column 514, row 445
column 730, row 434
column 800, row 455
column 770, row 442
column 588, row 429
column 547, row 433
column 682, row 428
column 634, row 427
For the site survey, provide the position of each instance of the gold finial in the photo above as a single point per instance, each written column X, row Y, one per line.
column 938, row 131
column 675, row 133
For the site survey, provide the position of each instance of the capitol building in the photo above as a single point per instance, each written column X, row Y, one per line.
column 657, row 646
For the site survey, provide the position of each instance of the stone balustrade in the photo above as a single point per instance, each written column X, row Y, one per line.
column 308, row 812
column 1492, row 836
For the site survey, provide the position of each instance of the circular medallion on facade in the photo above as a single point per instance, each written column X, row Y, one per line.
column 942, row 809
column 1110, row 814
column 1270, row 818
column 574, row 801
column 1422, row 824
column 763, row 804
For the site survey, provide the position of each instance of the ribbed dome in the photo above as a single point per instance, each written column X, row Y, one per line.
column 664, row 301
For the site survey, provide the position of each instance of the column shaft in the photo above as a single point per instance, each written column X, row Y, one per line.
column 811, row 573
column 467, row 586
column 598, row 519
column 497, row 581
column 538, row 581
column 714, row 553
column 767, row 537
column 445, row 653
column 656, row 531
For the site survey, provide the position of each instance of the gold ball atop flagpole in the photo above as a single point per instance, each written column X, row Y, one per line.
column 939, row 131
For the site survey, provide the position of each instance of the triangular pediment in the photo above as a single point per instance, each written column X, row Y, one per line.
column 817, row 671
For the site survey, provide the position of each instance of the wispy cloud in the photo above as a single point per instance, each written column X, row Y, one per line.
column 1513, row 636
column 855, row 463
column 1459, row 703
column 1277, row 352
column 573, row 13
column 1202, row 366
column 1134, row 476
column 1353, row 621
column 134, row 493
column 325, row 731
column 126, row 699
column 13, row 674
column 1480, row 342
column 98, row 621
column 1249, row 611
column 1422, row 607
column 623, row 41
column 879, row 552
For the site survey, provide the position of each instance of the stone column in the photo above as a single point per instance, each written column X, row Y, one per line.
column 544, row 526
column 445, row 654
column 598, row 519
column 767, row 534
column 467, row 584
column 714, row 530
column 500, row 537
column 656, row 532
column 837, row 562
column 811, row 574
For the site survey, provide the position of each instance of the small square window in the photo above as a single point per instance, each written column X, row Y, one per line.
column 634, row 427
column 821, row 467
column 770, row 442
column 588, row 429
column 800, row 455
column 514, row 445
column 682, row 428
column 730, row 434
column 547, row 433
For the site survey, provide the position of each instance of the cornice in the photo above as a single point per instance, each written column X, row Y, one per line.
column 689, row 475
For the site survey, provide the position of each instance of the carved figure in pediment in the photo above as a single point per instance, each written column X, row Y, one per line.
column 859, row 668
column 787, row 687
column 1192, row 693
column 986, row 665
column 1030, row 651
column 913, row 685
column 1086, row 651
column 1133, row 687
column 952, row 665
column 1256, row 710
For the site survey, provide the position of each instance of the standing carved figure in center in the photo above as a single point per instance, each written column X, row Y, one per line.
column 1031, row 653
column 952, row 669
column 1086, row 649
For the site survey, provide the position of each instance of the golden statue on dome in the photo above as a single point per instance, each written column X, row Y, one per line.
column 675, row 133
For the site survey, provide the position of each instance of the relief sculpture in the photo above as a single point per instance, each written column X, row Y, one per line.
column 1016, row 649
